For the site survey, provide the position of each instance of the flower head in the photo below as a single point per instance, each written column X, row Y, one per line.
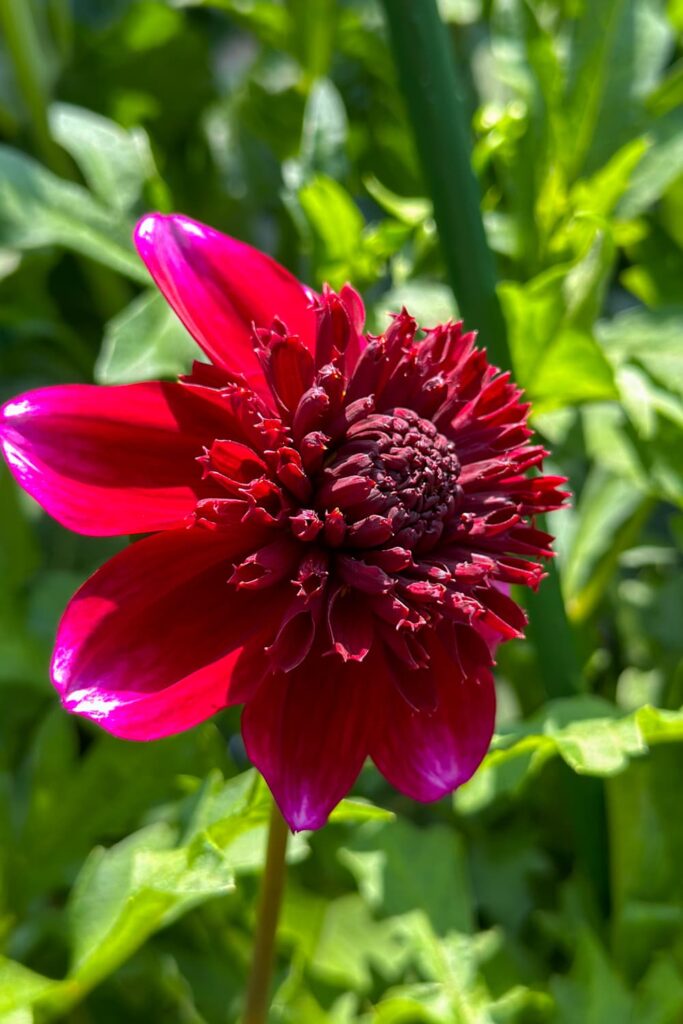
column 336, row 520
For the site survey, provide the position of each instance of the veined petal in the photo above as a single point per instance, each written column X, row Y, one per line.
column 307, row 733
column 147, row 645
column 426, row 754
column 109, row 460
column 220, row 287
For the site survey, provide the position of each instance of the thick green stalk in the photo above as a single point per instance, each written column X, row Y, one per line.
column 61, row 22
column 429, row 81
column 428, row 78
column 19, row 29
column 257, row 998
column 552, row 636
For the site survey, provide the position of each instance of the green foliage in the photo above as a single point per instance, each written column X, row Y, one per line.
column 145, row 341
column 38, row 209
column 550, row 889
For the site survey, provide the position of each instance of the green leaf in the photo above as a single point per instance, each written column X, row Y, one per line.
column 312, row 34
column 599, row 195
column 145, row 341
column 19, row 552
column 399, row 867
column 657, row 258
column 54, row 825
column 658, row 169
column 572, row 369
column 616, row 50
column 19, row 989
column 37, row 209
column 115, row 163
column 125, row 894
column 411, row 211
column 271, row 22
column 608, row 519
column 335, row 220
column 647, row 842
column 141, row 884
column 457, row 988
column 593, row 993
column 644, row 348
column 357, row 810
column 590, row 735
column 341, row 942
column 324, row 132
column 659, row 999
column 428, row 302
column 649, row 338
column 343, row 248
column 555, row 356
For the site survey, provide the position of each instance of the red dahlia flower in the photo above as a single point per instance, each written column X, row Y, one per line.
column 335, row 518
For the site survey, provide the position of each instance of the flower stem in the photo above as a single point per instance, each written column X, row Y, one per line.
column 272, row 885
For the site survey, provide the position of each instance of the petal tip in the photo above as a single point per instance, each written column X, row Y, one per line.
column 302, row 815
column 152, row 224
column 145, row 227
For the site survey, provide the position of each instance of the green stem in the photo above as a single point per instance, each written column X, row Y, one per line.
column 428, row 78
column 61, row 22
column 272, row 885
column 23, row 44
column 429, row 81
column 552, row 636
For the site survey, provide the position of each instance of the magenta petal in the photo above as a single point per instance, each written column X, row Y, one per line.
column 146, row 646
column 426, row 754
column 220, row 287
column 307, row 733
column 109, row 460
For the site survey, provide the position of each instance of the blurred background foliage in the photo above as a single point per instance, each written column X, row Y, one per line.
column 550, row 889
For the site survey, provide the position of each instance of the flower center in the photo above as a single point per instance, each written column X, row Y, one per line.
column 395, row 465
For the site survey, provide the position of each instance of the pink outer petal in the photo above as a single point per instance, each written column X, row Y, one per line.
column 219, row 287
column 146, row 646
column 428, row 754
column 307, row 733
column 109, row 460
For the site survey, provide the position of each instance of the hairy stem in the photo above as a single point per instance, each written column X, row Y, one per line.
column 272, row 885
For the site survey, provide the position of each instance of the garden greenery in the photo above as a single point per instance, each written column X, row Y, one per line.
column 548, row 889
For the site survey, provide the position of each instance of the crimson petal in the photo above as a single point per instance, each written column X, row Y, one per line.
column 426, row 754
column 109, row 460
column 220, row 287
column 146, row 646
column 307, row 733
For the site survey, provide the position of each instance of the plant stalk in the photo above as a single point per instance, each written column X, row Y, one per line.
column 428, row 77
column 429, row 81
column 272, row 886
column 21, row 37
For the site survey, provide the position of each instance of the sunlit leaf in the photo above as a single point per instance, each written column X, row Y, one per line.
column 38, row 209
column 115, row 162
column 146, row 341
column 591, row 736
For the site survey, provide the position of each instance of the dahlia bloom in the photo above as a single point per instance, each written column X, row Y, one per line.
column 335, row 521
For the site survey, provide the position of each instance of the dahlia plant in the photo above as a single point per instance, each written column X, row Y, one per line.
column 335, row 519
